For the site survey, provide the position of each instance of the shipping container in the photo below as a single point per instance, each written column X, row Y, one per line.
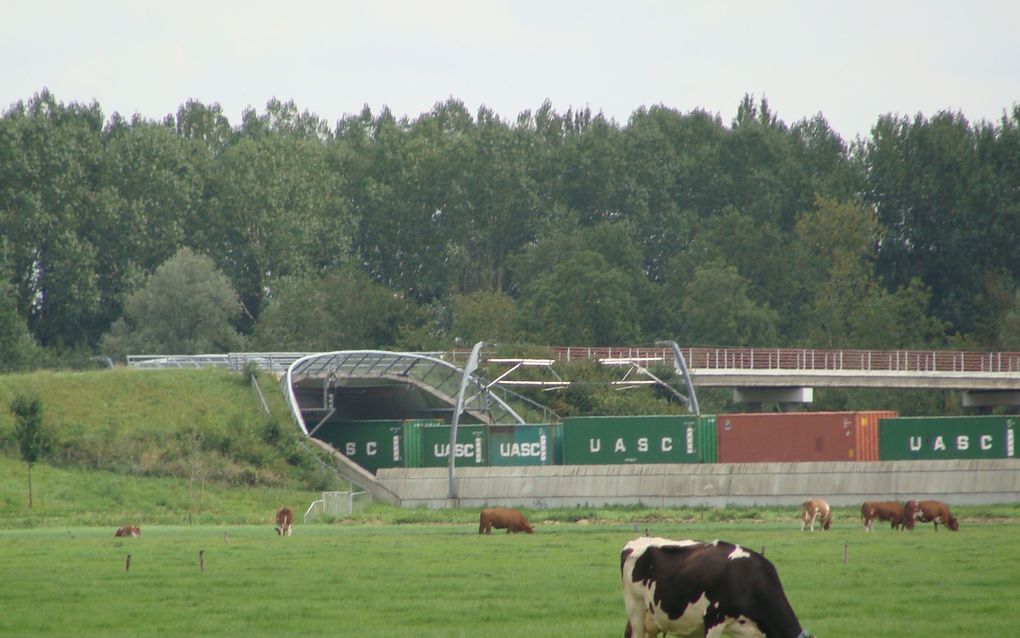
column 370, row 444
column 866, row 425
column 526, row 444
column 428, row 444
column 783, row 437
column 948, row 437
column 638, row 439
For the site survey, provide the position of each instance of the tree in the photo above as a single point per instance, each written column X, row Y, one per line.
column 17, row 348
column 185, row 307
column 947, row 193
column 49, row 158
column 835, row 252
column 274, row 212
column 582, row 300
column 33, row 441
column 343, row 310
column 484, row 316
column 897, row 319
column 716, row 309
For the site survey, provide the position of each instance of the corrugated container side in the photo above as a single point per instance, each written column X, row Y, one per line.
column 866, row 428
column 786, row 437
column 708, row 448
column 632, row 439
column 370, row 444
column 434, row 444
column 528, row 444
column 948, row 437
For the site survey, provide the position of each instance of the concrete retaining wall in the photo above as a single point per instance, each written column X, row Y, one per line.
column 957, row 482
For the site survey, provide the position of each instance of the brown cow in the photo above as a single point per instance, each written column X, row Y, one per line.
column 937, row 512
column 284, row 521
column 911, row 510
column 884, row 511
column 129, row 530
column 503, row 518
column 813, row 509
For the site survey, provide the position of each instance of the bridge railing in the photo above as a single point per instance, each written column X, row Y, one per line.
column 810, row 359
column 699, row 358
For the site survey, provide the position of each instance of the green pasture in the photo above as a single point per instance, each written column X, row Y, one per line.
column 444, row 580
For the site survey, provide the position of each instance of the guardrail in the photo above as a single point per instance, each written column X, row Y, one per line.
column 806, row 359
column 700, row 358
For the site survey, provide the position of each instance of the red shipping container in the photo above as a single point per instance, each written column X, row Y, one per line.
column 866, row 424
column 789, row 437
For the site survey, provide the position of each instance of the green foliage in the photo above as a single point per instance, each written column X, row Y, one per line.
column 716, row 309
column 342, row 310
column 896, row 241
column 17, row 348
column 32, row 439
column 185, row 307
column 581, row 300
column 484, row 316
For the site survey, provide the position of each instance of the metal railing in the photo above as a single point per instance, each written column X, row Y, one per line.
column 275, row 362
column 702, row 358
column 807, row 359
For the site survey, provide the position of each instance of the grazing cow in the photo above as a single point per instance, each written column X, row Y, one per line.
column 129, row 530
column 937, row 512
column 911, row 510
column 284, row 521
column 816, row 508
column 883, row 511
column 691, row 588
column 503, row 518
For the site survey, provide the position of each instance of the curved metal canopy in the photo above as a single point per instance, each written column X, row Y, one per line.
column 436, row 377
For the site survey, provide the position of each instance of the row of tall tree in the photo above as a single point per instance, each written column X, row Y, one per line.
column 192, row 234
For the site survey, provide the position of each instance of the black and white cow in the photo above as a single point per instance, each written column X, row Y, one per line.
column 691, row 588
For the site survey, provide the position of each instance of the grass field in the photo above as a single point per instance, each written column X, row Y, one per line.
column 444, row 580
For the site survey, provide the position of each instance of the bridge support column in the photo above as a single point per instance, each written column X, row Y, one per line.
column 990, row 398
column 755, row 397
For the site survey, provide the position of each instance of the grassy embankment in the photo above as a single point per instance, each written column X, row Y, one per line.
column 154, row 447
column 193, row 447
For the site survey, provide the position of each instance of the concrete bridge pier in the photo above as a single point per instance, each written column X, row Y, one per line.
column 787, row 398
column 985, row 400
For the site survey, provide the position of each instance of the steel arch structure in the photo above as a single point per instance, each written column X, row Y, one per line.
column 434, row 376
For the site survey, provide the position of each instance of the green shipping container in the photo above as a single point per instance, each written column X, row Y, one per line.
column 950, row 437
column 370, row 444
column 432, row 444
column 526, row 444
column 639, row 439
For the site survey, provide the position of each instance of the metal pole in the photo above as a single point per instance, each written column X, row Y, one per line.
column 469, row 368
column 681, row 365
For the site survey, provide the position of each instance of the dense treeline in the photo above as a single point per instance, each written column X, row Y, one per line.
column 192, row 234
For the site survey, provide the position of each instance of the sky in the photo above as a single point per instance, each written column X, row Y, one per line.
column 851, row 62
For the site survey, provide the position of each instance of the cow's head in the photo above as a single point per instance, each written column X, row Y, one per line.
column 953, row 524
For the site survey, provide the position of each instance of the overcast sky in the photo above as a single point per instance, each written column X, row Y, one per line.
column 851, row 62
